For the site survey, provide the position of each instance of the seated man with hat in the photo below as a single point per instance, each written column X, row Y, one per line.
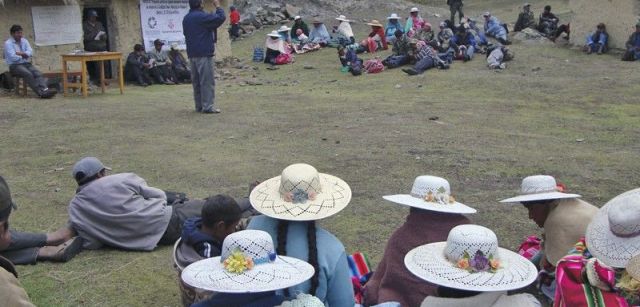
column 470, row 269
column 137, row 68
column 161, row 63
column 563, row 216
column 433, row 212
column 122, row 211
column 526, row 19
column 28, row 248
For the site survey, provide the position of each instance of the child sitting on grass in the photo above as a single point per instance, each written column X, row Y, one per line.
column 220, row 215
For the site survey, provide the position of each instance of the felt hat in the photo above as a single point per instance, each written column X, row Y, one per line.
column 414, row 10
column 284, row 28
column 613, row 236
column 248, row 264
column 343, row 18
column 539, row 187
column 471, row 260
column 6, row 202
column 301, row 193
column 274, row 33
column 431, row 193
column 393, row 16
column 375, row 23
column 87, row 167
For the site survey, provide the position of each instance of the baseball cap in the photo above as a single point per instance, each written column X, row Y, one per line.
column 87, row 167
column 6, row 203
column 158, row 42
column 93, row 13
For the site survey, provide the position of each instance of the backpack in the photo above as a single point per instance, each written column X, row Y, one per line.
column 258, row 54
column 373, row 66
column 6, row 81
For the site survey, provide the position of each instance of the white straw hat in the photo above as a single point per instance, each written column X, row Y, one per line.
column 471, row 260
column 393, row 16
column 414, row 10
column 274, row 33
column 343, row 18
column 539, row 187
column 431, row 193
column 284, row 28
column 297, row 17
column 230, row 273
column 300, row 193
column 613, row 237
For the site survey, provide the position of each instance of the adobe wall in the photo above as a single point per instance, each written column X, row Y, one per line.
column 620, row 17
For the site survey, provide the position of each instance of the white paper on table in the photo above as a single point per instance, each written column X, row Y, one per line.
column 99, row 35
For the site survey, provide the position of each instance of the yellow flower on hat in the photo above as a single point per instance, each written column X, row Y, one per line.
column 429, row 197
column 237, row 262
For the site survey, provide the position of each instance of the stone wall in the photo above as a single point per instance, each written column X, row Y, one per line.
column 123, row 19
column 620, row 17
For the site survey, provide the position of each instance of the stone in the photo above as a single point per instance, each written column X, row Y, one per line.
column 530, row 35
column 274, row 7
column 291, row 11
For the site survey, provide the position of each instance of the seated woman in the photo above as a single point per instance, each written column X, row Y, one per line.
column 376, row 40
column 284, row 34
column 238, row 274
column 433, row 213
column 303, row 44
column 414, row 22
column 598, row 41
column 275, row 47
column 319, row 34
column 291, row 204
column 603, row 268
column 470, row 269
column 393, row 25
column 344, row 33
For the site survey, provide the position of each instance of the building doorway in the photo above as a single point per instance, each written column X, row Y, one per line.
column 102, row 18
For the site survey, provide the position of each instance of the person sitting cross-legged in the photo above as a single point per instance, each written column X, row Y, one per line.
column 138, row 68
column 632, row 46
column 161, row 63
column 598, row 41
column 401, row 48
column 393, row 25
column 526, row 19
column 179, row 64
column 18, row 56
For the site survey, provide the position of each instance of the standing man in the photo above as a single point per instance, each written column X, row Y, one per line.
column 455, row 6
column 95, row 40
column 200, row 31
column 17, row 55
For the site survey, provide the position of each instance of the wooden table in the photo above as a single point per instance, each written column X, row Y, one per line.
column 83, row 58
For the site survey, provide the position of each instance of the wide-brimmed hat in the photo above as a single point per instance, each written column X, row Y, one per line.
column 414, row 10
column 297, row 18
column 274, row 33
column 284, row 28
column 613, row 236
column 431, row 193
column 248, row 264
column 471, row 260
column 539, row 187
column 393, row 16
column 343, row 18
column 301, row 193
column 375, row 23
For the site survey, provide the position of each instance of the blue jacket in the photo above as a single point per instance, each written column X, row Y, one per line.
column 204, row 244
column 200, row 31
column 335, row 288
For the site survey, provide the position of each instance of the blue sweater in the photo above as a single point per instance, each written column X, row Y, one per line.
column 204, row 244
column 200, row 31
column 334, row 287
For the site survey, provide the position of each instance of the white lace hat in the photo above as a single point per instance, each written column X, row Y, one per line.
column 393, row 16
column 231, row 273
column 431, row 193
column 471, row 260
column 301, row 193
column 613, row 237
column 343, row 18
column 284, row 28
column 274, row 33
column 539, row 187
column 414, row 9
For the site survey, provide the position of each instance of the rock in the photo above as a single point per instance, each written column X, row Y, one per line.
column 530, row 35
column 248, row 28
column 226, row 73
column 253, row 83
column 537, row 68
column 284, row 22
column 273, row 7
column 434, row 118
column 308, row 67
column 261, row 12
column 291, row 11
column 247, row 19
column 398, row 86
column 280, row 15
column 436, row 15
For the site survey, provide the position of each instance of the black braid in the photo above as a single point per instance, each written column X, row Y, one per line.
column 283, row 229
column 313, row 256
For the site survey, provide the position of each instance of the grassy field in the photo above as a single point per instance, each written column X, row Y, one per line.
column 576, row 117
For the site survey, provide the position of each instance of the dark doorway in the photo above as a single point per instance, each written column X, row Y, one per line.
column 102, row 18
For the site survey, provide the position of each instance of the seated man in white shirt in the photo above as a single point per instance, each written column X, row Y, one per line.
column 17, row 55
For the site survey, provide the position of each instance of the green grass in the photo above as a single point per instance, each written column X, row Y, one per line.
column 493, row 129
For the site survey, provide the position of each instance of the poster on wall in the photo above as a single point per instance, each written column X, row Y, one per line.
column 162, row 19
column 57, row 25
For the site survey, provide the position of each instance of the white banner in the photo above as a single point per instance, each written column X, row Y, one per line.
column 57, row 25
column 162, row 19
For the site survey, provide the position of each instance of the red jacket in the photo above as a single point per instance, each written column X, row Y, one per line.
column 234, row 17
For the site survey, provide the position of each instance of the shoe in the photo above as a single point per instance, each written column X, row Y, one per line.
column 410, row 71
column 66, row 250
column 168, row 82
column 47, row 94
column 214, row 111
